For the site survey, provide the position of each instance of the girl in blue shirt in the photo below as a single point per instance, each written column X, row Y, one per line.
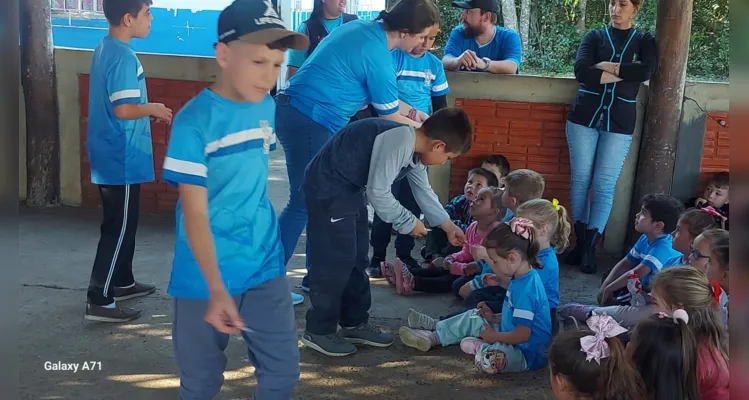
column 349, row 69
column 518, row 338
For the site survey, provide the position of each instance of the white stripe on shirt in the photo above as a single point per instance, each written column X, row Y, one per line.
column 656, row 262
column 386, row 106
column 439, row 88
column 185, row 167
column 140, row 70
column 418, row 74
column 634, row 253
column 524, row 314
column 125, row 94
column 236, row 138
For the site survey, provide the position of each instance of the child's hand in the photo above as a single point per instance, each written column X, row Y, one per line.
column 479, row 253
column 472, row 268
column 447, row 262
column 604, row 296
column 465, row 290
column 160, row 112
column 491, row 280
column 489, row 335
column 700, row 202
column 439, row 262
column 484, row 311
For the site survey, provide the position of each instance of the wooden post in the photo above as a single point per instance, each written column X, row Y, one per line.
column 40, row 95
column 655, row 163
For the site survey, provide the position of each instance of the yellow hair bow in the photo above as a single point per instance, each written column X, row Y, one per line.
column 555, row 203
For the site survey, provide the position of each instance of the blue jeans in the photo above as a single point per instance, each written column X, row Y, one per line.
column 301, row 139
column 596, row 160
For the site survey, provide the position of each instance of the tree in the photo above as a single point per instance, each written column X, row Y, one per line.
column 40, row 94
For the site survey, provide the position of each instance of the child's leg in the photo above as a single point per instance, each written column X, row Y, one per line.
column 458, row 283
column 452, row 330
column 404, row 244
column 272, row 342
column 437, row 284
column 436, row 241
column 430, row 272
column 626, row 316
column 356, row 298
column 198, row 349
column 488, row 294
column 499, row 358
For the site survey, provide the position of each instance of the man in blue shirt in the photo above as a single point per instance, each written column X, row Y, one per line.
column 119, row 149
column 478, row 44
column 229, row 274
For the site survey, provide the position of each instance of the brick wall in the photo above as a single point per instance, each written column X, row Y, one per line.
column 530, row 135
column 716, row 148
column 156, row 196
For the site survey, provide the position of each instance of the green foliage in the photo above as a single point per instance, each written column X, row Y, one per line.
column 554, row 35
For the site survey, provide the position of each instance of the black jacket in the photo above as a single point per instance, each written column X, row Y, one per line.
column 614, row 103
column 316, row 30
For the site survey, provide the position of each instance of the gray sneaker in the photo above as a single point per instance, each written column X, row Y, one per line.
column 137, row 290
column 116, row 314
column 417, row 320
column 366, row 334
column 331, row 345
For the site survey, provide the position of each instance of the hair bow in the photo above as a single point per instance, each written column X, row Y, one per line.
column 717, row 291
column 521, row 227
column 679, row 314
column 603, row 327
column 555, row 203
column 712, row 211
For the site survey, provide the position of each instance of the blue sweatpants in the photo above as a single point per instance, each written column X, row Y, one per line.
column 272, row 343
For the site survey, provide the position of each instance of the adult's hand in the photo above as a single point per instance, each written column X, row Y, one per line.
column 469, row 59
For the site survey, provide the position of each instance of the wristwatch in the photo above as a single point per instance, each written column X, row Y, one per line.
column 487, row 60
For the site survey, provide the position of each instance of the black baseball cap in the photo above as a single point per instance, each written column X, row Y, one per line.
column 256, row 22
column 485, row 5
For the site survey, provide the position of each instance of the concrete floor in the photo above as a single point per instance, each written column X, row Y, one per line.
column 135, row 360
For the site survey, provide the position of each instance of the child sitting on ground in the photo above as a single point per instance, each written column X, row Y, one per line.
column 664, row 352
column 710, row 254
column 655, row 221
column 691, row 224
column 458, row 208
column 518, row 338
column 486, row 209
column 553, row 228
column 688, row 288
column 715, row 196
column 522, row 185
column 579, row 371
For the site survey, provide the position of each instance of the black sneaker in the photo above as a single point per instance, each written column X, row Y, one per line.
column 137, row 290
column 373, row 270
column 368, row 335
column 410, row 262
column 331, row 345
column 116, row 314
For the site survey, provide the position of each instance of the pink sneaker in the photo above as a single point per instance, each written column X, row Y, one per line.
column 388, row 271
column 404, row 281
column 470, row 345
column 418, row 339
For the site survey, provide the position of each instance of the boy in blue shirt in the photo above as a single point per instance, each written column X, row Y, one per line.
column 229, row 274
column 656, row 220
column 121, row 156
column 423, row 86
column 480, row 45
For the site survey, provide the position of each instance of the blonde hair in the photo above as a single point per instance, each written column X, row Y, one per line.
column 524, row 185
column 545, row 213
column 690, row 289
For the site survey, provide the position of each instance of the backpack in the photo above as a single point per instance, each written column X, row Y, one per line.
column 317, row 32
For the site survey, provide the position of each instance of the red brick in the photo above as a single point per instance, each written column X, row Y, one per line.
column 542, row 159
column 724, row 135
column 477, row 111
column 491, row 121
column 490, row 130
column 526, row 133
column 717, row 114
column 558, row 178
column 526, row 125
column 710, row 135
column 513, row 114
column 516, row 160
column 555, row 134
column 514, row 150
column 553, row 186
column 714, row 163
column 555, row 142
column 462, row 162
column 513, row 105
column 549, row 107
column 543, row 151
column 543, row 168
column 477, row 102
column 724, row 143
column 515, row 164
column 713, row 125
column 481, row 148
column 713, row 169
column 555, row 125
column 724, row 152
column 564, row 168
column 547, row 116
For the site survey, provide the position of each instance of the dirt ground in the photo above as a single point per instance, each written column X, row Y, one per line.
column 135, row 360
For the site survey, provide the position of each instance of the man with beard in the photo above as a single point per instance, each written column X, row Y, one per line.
column 478, row 44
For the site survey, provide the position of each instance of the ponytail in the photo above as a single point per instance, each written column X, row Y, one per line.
column 551, row 215
column 561, row 238
column 410, row 16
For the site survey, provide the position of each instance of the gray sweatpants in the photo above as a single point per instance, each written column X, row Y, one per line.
column 272, row 344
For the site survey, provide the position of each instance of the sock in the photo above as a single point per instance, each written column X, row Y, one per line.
column 127, row 287
column 434, row 339
column 110, row 305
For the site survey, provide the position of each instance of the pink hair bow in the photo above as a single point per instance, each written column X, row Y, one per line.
column 522, row 227
column 712, row 211
column 595, row 346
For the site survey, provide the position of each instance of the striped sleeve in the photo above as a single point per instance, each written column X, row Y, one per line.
column 185, row 161
column 123, row 81
column 439, row 86
column 381, row 83
column 638, row 251
column 524, row 306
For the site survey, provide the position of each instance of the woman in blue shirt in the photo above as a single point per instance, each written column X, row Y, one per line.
column 611, row 64
column 351, row 68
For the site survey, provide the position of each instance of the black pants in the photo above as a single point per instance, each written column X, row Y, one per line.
column 494, row 294
column 437, row 245
column 433, row 280
column 113, row 265
column 338, row 233
column 380, row 236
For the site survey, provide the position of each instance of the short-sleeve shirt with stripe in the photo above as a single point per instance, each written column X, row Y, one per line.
column 223, row 145
column 419, row 79
column 657, row 255
column 120, row 151
column 526, row 304
column 349, row 69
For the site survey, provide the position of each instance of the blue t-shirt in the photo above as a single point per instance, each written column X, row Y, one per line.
column 526, row 305
column 656, row 254
column 505, row 45
column 419, row 79
column 223, row 145
column 120, row 151
column 298, row 57
column 347, row 71
column 550, row 275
